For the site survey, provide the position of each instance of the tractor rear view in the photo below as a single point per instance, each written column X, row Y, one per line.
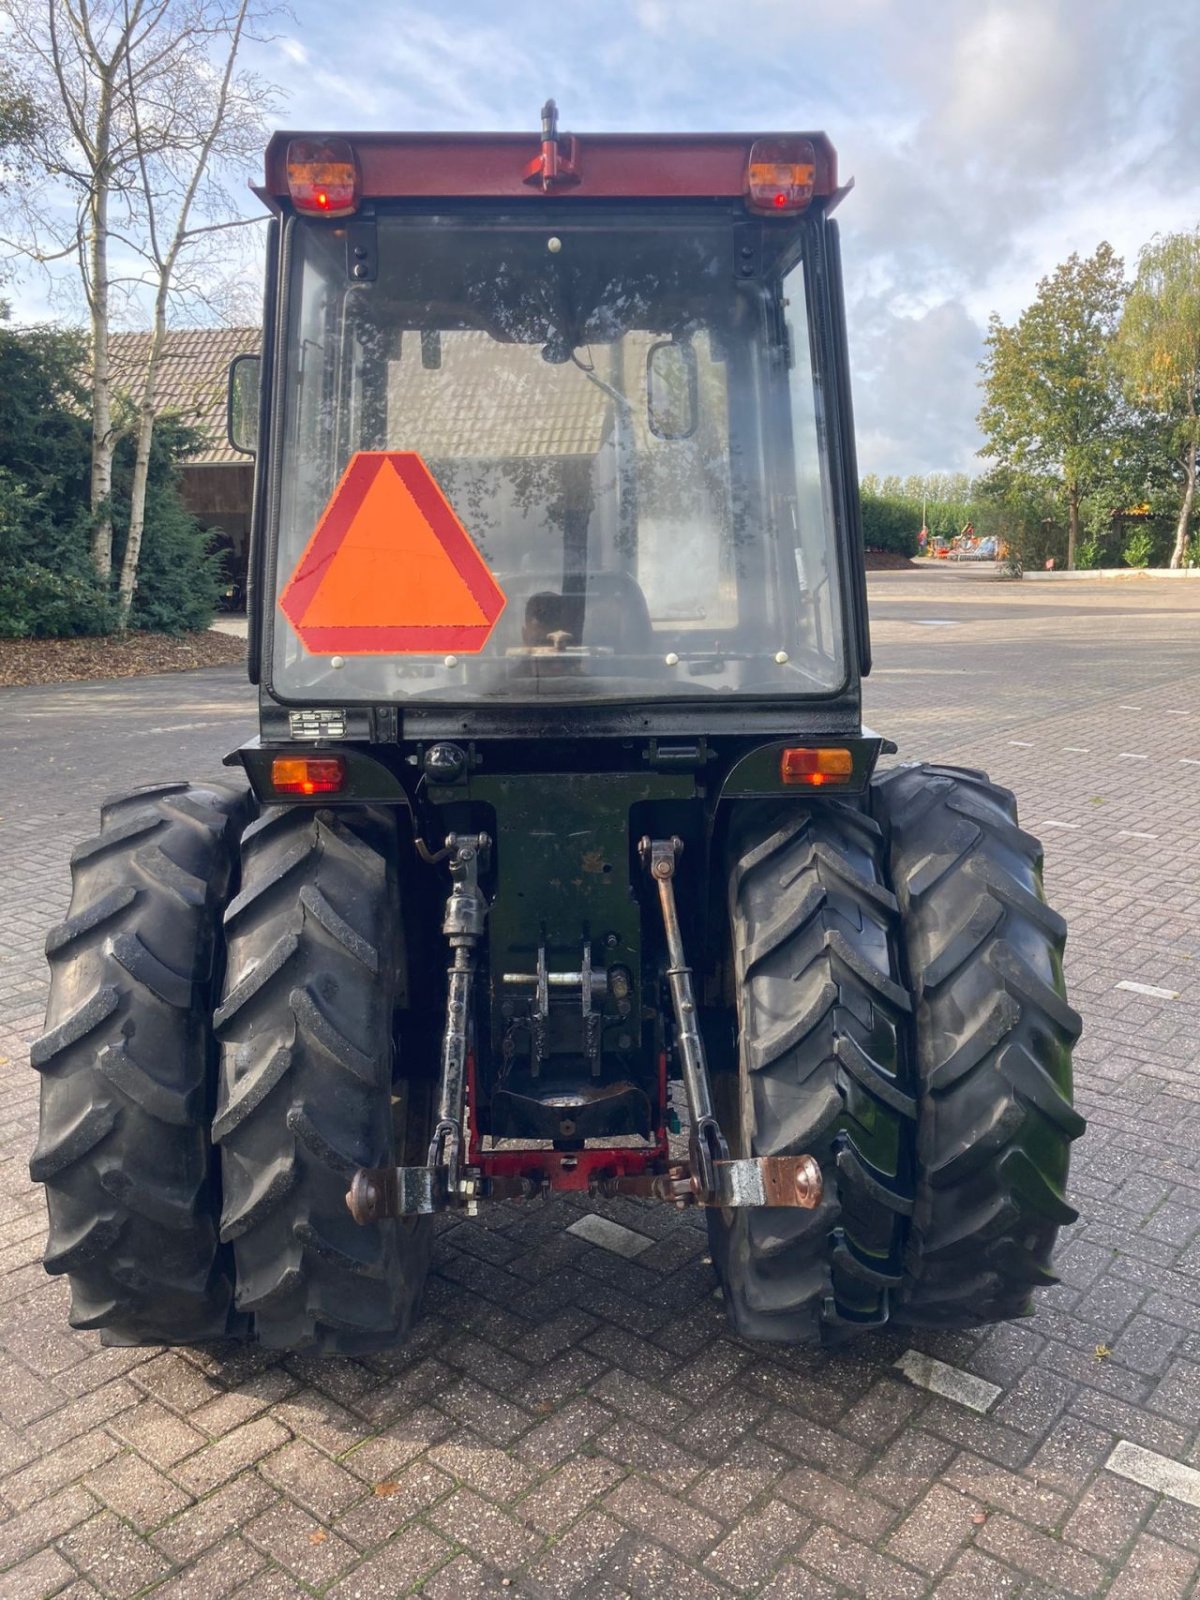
column 561, row 794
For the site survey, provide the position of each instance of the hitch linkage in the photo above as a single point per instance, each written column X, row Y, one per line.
column 708, row 1178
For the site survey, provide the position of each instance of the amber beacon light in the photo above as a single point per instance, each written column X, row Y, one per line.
column 780, row 175
column 322, row 177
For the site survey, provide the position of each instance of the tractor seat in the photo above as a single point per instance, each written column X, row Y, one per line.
column 615, row 614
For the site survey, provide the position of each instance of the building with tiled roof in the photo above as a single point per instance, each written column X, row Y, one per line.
column 192, row 381
column 192, row 376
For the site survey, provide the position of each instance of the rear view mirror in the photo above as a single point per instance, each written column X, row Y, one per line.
column 672, row 390
column 241, row 417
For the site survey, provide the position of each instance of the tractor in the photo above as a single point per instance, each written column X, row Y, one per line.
column 562, row 860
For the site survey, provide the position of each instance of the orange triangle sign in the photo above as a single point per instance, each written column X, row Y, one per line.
column 389, row 569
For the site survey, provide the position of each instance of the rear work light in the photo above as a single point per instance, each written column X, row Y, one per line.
column 308, row 774
column 812, row 768
column 780, row 175
column 322, row 177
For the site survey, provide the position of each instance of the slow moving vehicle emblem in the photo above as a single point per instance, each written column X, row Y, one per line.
column 389, row 569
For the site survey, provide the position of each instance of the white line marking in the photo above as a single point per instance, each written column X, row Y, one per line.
column 1129, row 708
column 936, row 622
column 1155, row 1472
column 1131, row 755
column 1078, row 749
column 1128, row 833
column 1186, row 761
column 1023, row 744
column 1060, row 824
column 1169, row 713
column 1148, row 988
column 610, row 1235
column 927, row 1372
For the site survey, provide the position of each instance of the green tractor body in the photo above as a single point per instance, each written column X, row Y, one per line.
column 561, row 794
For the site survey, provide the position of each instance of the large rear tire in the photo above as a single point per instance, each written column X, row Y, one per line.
column 307, row 1032
column 128, row 1067
column 994, row 1038
column 824, row 1068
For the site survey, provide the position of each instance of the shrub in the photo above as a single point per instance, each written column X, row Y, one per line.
column 890, row 523
column 179, row 573
column 1139, row 548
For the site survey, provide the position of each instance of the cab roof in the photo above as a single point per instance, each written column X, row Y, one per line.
column 507, row 166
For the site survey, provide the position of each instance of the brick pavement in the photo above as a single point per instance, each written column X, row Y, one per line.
column 568, row 1422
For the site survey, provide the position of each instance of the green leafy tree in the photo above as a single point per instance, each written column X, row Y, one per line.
column 1052, row 400
column 1158, row 352
column 49, row 586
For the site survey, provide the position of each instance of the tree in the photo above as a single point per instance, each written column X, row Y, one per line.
column 1052, row 401
column 136, row 101
column 1158, row 352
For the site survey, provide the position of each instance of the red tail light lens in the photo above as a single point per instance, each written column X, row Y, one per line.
column 322, row 177
column 308, row 774
column 780, row 175
column 812, row 768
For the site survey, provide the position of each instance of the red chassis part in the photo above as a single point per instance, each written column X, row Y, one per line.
column 578, row 1170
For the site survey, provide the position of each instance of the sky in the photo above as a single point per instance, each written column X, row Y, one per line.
column 988, row 139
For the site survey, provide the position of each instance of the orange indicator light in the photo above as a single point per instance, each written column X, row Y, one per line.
column 322, row 177
column 812, row 768
column 780, row 175
column 308, row 774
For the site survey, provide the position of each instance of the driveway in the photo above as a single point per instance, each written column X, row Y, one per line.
column 573, row 1417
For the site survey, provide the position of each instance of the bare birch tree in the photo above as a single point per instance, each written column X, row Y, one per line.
column 142, row 109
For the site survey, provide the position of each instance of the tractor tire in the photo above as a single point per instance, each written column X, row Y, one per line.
column 128, row 1068
column 824, row 1067
column 994, row 1037
column 307, row 1033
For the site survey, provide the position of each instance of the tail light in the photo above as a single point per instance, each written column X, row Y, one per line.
column 322, row 177
column 308, row 774
column 812, row 768
column 780, row 175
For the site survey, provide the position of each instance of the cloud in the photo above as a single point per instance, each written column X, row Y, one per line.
column 989, row 139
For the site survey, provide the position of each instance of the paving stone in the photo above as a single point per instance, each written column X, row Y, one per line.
column 157, row 1433
column 975, row 1576
column 137, row 1491
column 1007, row 1491
column 394, row 1568
column 1108, row 1515
column 667, row 1517
column 312, row 1480
column 29, row 1530
column 757, row 1545
column 574, row 1559
column 37, row 1578
column 485, row 1529
column 60, row 1467
column 393, row 1503
column 642, row 1569
column 465, row 1579
column 300, row 1543
column 654, row 1457
column 224, row 1511
column 215, row 1463
column 221, row 1571
column 1155, row 1568
column 797, row 1583
column 1040, row 1556
column 861, row 1570
column 112, row 1556
column 826, row 1500
column 566, row 1493
column 935, row 1530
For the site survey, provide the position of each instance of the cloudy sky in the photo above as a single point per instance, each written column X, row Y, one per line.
column 988, row 138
